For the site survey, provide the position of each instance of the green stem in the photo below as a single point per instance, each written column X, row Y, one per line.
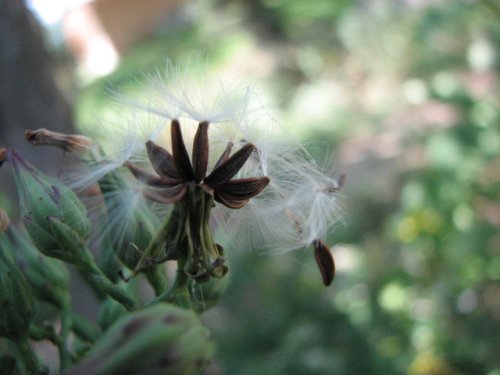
column 101, row 284
column 157, row 278
column 178, row 294
column 84, row 329
column 31, row 362
column 66, row 323
column 37, row 333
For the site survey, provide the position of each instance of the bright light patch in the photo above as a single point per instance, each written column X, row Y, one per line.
column 415, row 91
column 481, row 55
column 467, row 301
column 394, row 297
column 52, row 12
column 408, row 229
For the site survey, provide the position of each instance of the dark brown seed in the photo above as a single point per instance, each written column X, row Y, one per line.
column 162, row 162
column 148, row 178
column 324, row 259
column 230, row 167
column 168, row 195
column 200, row 151
column 179, row 152
column 225, row 155
column 243, row 189
column 3, row 153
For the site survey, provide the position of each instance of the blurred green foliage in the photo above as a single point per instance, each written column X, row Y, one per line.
column 417, row 289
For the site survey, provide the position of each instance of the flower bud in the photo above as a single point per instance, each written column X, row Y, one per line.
column 74, row 143
column 48, row 277
column 161, row 339
column 55, row 218
column 16, row 300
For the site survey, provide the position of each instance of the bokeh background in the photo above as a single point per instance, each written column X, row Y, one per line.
column 404, row 95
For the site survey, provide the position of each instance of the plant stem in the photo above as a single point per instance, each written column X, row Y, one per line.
column 157, row 278
column 178, row 294
column 101, row 284
column 66, row 323
column 84, row 329
column 31, row 362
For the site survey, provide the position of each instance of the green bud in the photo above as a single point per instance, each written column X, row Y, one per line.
column 49, row 209
column 16, row 300
column 48, row 277
column 161, row 339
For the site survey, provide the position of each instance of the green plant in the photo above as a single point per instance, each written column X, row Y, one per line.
column 155, row 206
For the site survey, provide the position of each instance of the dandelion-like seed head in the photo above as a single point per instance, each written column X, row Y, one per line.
column 192, row 138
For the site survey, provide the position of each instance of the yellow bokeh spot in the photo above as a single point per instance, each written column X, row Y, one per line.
column 394, row 297
column 430, row 364
column 430, row 220
column 408, row 229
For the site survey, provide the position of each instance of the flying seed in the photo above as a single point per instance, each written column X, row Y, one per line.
column 325, row 261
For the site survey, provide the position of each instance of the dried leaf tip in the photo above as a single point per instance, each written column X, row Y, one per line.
column 74, row 143
column 325, row 262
